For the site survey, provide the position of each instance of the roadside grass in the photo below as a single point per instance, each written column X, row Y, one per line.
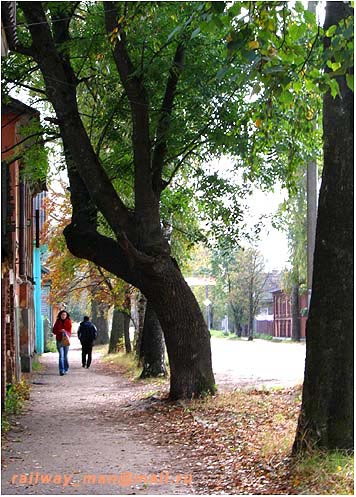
column 268, row 419
column 16, row 396
column 262, row 336
column 222, row 334
column 256, row 336
column 324, row 473
column 126, row 363
column 101, row 349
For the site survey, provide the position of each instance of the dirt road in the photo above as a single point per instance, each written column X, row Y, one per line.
column 238, row 363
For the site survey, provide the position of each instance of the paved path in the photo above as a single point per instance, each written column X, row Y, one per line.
column 75, row 426
column 238, row 363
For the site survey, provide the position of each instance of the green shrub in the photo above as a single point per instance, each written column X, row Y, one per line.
column 16, row 395
column 222, row 334
column 36, row 365
column 51, row 346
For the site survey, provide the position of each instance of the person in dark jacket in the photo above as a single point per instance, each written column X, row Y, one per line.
column 87, row 333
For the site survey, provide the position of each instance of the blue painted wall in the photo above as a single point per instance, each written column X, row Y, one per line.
column 37, row 298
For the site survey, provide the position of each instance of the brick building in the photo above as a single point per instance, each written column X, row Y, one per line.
column 282, row 311
column 17, row 243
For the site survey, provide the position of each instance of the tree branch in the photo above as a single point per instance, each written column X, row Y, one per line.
column 166, row 183
column 138, row 98
column 163, row 126
column 28, row 87
column 28, row 51
column 106, row 127
column 61, row 90
column 105, row 279
column 14, row 158
column 110, row 256
column 39, row 133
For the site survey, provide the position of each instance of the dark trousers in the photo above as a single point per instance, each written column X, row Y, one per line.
column 86, row 351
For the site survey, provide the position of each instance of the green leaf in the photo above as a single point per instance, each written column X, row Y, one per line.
column 330, row 31
column 286, row 97
column 350, row 81
column 334, row 87
column 314, row 73
column 333, row 65
column 310, row 17
column 309, row 85
column 207, row 27
column 235, row 9
column 274, row 69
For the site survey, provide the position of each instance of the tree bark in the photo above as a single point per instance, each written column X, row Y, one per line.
column 295, row 313
column 185, row 331
column 127, row 340
column 237, row 313
column 117, row 331
column 326, row 418
column 100, row 319
column 152, row 354
column 142, row 301
column 250, row 317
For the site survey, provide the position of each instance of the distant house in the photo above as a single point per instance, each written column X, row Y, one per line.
column 264, row 324
column 19, row 231
column 265, row 317
column 275, row 310
column 283, row 314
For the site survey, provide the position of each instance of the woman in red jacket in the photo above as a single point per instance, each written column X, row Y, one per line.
column 62, row 327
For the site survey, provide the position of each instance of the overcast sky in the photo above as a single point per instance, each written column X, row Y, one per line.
column 273, row 243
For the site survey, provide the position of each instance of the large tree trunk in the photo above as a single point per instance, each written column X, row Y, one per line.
column 99, row 314
column 152, row 355
column 185, row 331
column 117, row 331
column 237, row 313
column 326, row 418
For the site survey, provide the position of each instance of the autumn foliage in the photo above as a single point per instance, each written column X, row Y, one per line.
column 70, row 276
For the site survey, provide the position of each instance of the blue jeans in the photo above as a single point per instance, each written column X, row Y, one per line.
column 63, row 357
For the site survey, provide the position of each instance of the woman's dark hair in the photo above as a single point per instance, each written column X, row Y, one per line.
column 60, row 312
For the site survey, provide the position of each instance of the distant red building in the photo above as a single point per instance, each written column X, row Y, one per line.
column 282, row 311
